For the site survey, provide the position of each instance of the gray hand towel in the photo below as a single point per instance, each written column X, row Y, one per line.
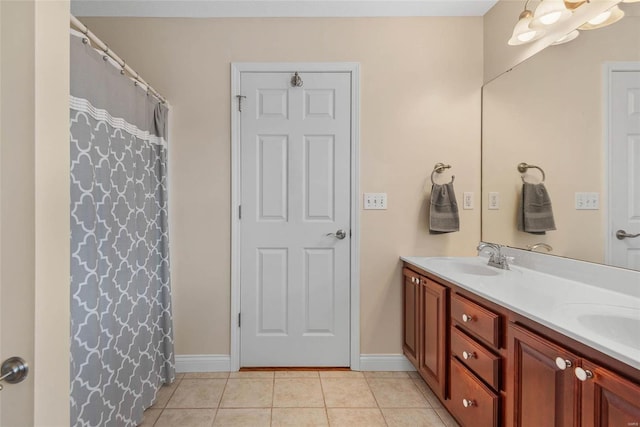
column 534, row 209
column 443, row 211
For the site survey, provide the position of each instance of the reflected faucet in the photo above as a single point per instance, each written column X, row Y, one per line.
column 540, row 245
column 496, row 258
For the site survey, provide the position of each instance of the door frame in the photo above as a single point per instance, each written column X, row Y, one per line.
column 608, row 69
column 237, row 68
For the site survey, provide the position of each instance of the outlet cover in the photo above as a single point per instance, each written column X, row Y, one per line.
column 467, row 200
column 494, row 200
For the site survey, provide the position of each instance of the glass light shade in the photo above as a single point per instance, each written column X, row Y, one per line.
column 606, row 18
column 550, row 12
column 522, row 34
column 567, row 38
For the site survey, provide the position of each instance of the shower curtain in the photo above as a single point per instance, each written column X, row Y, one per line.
column 121, row 322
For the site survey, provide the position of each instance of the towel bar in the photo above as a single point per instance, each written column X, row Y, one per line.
column 522, row 168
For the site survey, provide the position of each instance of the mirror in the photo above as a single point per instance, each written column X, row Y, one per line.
column 549, row 112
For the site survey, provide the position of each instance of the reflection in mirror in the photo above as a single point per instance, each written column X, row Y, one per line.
column 549, row 111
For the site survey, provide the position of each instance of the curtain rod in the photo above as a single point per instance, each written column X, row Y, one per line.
column 103, row 46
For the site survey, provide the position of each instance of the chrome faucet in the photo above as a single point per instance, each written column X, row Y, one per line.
column 540, row 245
column 496, row 258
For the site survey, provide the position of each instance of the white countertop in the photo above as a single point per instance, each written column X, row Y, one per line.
column 606, row 318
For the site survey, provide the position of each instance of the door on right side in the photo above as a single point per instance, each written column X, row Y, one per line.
column 624, row 169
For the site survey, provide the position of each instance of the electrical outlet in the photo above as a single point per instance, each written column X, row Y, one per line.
column 494, row 200
column 376, row 201
column 467, row 200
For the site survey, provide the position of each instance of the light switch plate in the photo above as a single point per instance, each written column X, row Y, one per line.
column 587, row 201
column 494, row 200
column 467, row 200
column 376, row 201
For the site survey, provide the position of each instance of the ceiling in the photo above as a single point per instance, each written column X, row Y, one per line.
column 279, row 8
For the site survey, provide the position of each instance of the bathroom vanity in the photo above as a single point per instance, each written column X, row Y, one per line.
column 522, row 347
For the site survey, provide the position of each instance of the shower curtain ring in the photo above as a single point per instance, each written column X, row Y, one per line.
column 124, row 64
column 106, row 49
column 86, row 30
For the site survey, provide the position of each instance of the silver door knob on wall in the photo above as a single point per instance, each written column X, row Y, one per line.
column 621, row 234
column 13, row 370
column 340, row 234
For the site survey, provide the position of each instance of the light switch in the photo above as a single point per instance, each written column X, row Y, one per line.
column 467, row 200
column 375, row 201
column 494, row 200
column 587, row 201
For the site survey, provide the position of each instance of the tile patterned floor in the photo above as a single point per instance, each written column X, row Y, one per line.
column 297, row 398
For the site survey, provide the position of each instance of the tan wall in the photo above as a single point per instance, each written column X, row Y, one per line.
column 548, row 112
column 420, row 104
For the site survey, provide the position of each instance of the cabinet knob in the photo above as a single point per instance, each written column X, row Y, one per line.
column 583, row 374
column 467, row 318
column 468, row 355
column 468, row 403
column 562, row 363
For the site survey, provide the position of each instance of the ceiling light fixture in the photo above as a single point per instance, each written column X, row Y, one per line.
column 607, row 17
column 550, row 12
column 567, row 38
column 522, row 33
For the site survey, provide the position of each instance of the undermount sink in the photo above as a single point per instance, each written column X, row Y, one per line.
column 475, row 269
column 612, row 322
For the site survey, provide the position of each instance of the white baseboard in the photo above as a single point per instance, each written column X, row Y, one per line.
column 203, row 363
column 222, row 362
column 385, row 362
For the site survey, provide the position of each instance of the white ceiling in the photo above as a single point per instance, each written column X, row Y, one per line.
column 279, row 8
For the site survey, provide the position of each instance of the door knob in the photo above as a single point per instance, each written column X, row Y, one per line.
column 340, row 234
column 621, row 234
column 13, row 370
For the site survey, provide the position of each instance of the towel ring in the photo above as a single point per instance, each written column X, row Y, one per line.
column 439, row 168
column 523, row 167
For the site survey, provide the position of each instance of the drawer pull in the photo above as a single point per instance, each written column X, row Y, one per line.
column 583, row 374
column 469, row 355
column 562, row 363
column 466, row 318
column 468, row 403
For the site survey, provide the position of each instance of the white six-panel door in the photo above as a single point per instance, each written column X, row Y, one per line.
column 295, row 196
column 625, row 167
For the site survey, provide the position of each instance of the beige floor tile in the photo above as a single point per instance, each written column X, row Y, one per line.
column 341, row 374
column 299, row 417
column 347, row 393
column 186, row 418
column 247, row 393
column 412, row 418
column 251, row 374
column 150, row 417
column 197, row 394
column 206, row 375
column 414, row 374
column 386, row 374
column 297, row 393
column 179, row 376
column 434, row 402
column 397, row 393
column 164, row 394
column 355, row 417
column 243, row 417
column 447, row 418
column 297, row 374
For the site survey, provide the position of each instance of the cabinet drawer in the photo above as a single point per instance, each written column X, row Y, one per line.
column 473, row 403
column 477, row 320
column 476, row 357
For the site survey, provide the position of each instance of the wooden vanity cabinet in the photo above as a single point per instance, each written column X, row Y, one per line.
column 547, row 391
column 425, row 342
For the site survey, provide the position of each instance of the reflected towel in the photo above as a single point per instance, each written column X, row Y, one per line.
column 443, row 211
column 535, row 215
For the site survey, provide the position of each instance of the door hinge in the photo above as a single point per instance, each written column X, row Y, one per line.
column 239, row 211
column 240, row 101
column 239, row 320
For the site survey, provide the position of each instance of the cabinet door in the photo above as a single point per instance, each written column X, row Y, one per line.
column 433, row 336
column 540, row 392
column 608, row 400
column 410, row 324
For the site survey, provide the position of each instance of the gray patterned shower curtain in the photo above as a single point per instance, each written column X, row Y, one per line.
column 121, row 322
